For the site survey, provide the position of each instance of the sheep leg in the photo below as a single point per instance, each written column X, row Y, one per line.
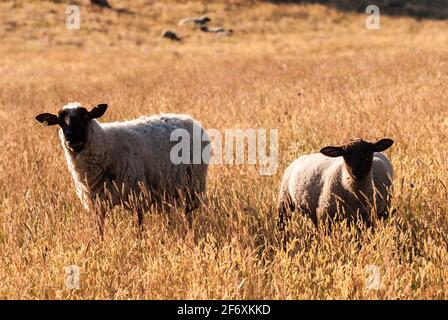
column 285, row 209
column 140, row 218
column 140, row 222
column 100, row 219
column 282, row 212
column 193, row 193
column 192, row 198
column 192, row 203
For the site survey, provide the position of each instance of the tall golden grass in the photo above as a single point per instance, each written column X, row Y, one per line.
column 314, row 73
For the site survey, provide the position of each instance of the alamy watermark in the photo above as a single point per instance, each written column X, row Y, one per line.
column 73, row 20
column 373, row 20
column 373, row 280
column 72, row 277
column 213, row 147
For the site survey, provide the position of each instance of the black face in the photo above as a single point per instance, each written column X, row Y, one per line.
column 359, row 158
column 73, row 123
column 358, row 155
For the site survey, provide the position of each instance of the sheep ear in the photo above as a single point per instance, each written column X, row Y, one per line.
column 332, row 151
column 47, row 119
column 98, row 111
column 382, row 145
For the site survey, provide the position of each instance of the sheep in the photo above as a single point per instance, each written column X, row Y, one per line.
column 216, row 30
column 105, row 4
column 353, row 180
column 199, row 21
column 168, row 34
column 116, row 163
column 101, row 3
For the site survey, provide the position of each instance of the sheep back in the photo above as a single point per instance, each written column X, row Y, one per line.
column 318, row 187
column 125, row 157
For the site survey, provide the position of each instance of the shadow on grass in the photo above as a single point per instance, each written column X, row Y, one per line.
column 420, row 9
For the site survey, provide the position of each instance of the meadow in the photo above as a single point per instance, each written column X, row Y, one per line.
column 314, row 73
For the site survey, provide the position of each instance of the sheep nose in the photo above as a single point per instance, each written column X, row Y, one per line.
column 71, row 137
column 69, row 132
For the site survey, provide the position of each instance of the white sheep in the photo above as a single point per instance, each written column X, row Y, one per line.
column 353, row 181
column 117, row 163
column 198, row 21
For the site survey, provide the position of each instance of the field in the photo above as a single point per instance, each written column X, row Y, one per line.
column 314, row 73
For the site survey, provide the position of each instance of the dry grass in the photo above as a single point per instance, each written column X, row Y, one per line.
column 315, row 74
